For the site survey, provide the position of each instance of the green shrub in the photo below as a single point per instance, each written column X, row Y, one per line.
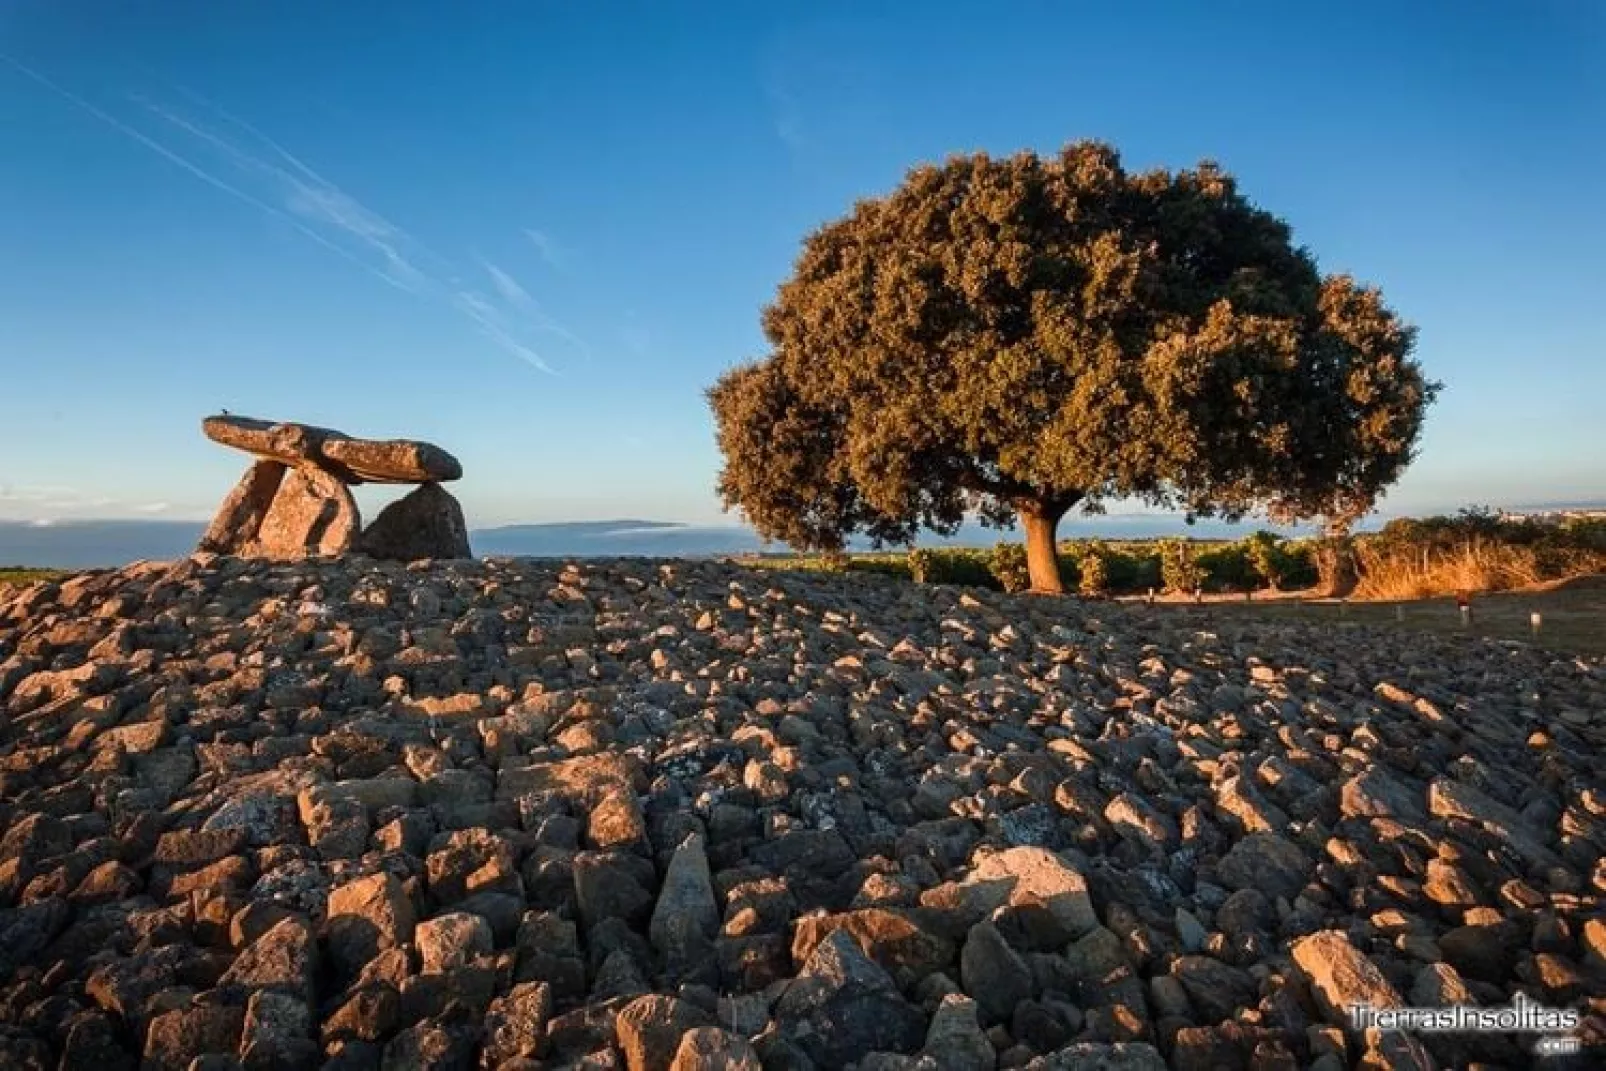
column 1133, row 570
column 1225, row 568
column 1300, row 557
column 1009, row 567
column 1584, row 532
column 1178, row 570
column 968, row 566
column 1093, row 572
column 965, row 566
column 1269, row 558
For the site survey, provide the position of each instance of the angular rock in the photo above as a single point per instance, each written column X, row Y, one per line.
column 1265, row 861
column 1340, row 975
column 1377, row 792
column 1027, row 879
column 515, row 1026
column 650, row 1028
column 685, row 919
column 277, row 1034
column 1096, row 1056
column 285, row 958
column 452, row 940
column 178, row 1037
column 1453, row 799
column 842, row 1006
column 955, row 1039
column 432, row 1045
column 1217, row 990
column 891, row 938
column 707, row 1048
column 365, row 917
column 992, row 973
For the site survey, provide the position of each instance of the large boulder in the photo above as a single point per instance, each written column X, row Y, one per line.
column 426, row 523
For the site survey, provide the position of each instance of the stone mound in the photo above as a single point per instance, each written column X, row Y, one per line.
column 515, row 814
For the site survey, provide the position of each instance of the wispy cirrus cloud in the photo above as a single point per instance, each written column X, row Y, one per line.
column 168, row 154
column 506, row 285
column 235, row 157
column 551, row 252
column 304, row 192
column 516, row 313
column 493, row 324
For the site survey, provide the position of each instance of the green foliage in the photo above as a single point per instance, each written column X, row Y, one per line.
column 1225, row 567
column 1268, row 559
column 1021, row 333
column 1009, row 567
column 1585, row 533
column 1093, row 581
column 1301, row 564
column 972, row 568
column 1178, row 570
column 964, row 566
column 1134, row 570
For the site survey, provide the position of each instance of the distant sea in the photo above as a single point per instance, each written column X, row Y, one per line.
column 96, row 544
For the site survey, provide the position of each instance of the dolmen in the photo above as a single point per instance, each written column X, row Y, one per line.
column 295, row 500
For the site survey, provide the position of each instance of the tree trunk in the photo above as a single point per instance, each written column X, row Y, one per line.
column 1041, row 519
column 1335, row 567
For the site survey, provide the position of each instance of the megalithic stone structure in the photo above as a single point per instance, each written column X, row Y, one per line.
column 295, row 500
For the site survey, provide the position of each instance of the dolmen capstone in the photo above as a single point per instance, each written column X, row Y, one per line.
column 295, row 500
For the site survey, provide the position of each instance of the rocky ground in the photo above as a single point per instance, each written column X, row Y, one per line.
column 521, row 814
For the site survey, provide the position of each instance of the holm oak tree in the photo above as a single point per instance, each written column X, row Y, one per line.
column 1016, row 337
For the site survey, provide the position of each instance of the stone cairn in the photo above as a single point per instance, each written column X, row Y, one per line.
column 295, row 500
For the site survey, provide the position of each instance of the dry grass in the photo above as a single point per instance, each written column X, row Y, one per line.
column 1396, row 573
column 1572, row 614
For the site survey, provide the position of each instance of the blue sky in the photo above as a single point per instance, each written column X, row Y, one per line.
column 535, row 232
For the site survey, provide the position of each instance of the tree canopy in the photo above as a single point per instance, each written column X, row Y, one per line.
column 1015, row 337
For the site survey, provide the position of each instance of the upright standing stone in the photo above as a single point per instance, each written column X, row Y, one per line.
column 240, row 517
column 313, row 514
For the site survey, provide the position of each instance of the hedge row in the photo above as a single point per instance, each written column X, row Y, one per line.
column 1476, row 549
column 1096, row 567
